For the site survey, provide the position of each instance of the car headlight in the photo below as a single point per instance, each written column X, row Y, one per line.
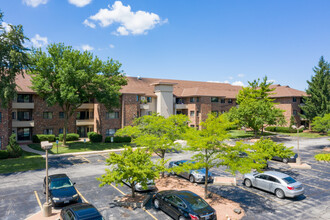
column 75, row 196
column 199, row 175
column 56, row 199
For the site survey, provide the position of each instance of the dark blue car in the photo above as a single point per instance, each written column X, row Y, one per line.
column 80, row 211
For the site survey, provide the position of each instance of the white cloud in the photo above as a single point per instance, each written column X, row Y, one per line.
column 271, row 81
column 226, row 81
column 87, row 47
column 80, row 3
column 38, row 41
column 6, row 26
column 89, row 24
column 35, row 3
column 238, row 83
column 130, row 22
column 112, row 46
column 241, row 75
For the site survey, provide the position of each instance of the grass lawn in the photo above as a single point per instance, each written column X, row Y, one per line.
column 80, row 147
column 243, row 134
column 306, row 134
column 28, row 161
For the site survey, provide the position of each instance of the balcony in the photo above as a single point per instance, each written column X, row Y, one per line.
column 22, row 124
column 181, row 106
column 83, row 122
column 87, row 106
column 144, row 106
column 23, row 105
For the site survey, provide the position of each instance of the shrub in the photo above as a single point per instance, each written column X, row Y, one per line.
column 43, row 137
column 13, row 149
column 118, row 139
column 4, row 154
column 282, row 129
column 322, row 157
column 95, row 137
column 69, row 137
column 89, row 133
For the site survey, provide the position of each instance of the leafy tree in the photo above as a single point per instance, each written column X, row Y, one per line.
column 322, row 124
column 13, row 59
column 207, row 143
column 317, row 103
column 132, row 166
column 157, row 133
column 14, row 150
column 68, row 78
column 256, row 108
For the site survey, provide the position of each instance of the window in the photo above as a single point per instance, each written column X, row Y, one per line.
column 48, row 115
column 13, row 115
column 197, row 99
column 223, row 101
column 137, row 114
column 48, row 131
column 230, row 101
column 262, row 176
column 110, row 132
column 214, row 99
column 23, row 134
column 60, row 130
column 192, row 113
column 192, row 126
column 61, row 114
column 273, row 179
column 179, row 101
column 24, row 98
column 301, row 100
column 137, row 98
column 24, row 116
column 294, row 99
column 149, row 99
column 112, row 115
column 192, row 99
column 197, row 113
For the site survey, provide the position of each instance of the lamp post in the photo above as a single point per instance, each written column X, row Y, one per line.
column 295, row 127
column 47, row 207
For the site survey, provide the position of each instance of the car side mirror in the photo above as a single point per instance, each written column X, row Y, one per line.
column 44, row 192
column 74, row 183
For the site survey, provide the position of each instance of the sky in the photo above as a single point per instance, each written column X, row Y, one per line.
column 232, row 41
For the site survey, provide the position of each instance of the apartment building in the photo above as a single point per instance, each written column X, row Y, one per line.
column 29, row 114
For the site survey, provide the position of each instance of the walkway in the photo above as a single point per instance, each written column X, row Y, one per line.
column 28, row 149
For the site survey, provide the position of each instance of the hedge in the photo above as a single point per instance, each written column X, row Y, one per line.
column 4, row 154
column 322, row 157
column 118, row 139
column 43, row 137
column 69, row 137
column 94, row 137
column 282, row 129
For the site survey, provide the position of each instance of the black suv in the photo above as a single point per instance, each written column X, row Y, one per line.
column 182, row 205
column 61, row 190
column 80, row 211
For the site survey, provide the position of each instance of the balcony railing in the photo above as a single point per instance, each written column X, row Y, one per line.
column 22, row 124
column 23, row 105
column 87, row 106
column 84, row 122
column 181, row 106
column 144, row 106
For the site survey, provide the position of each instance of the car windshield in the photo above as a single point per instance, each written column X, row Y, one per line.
column 197, row 203
column 60, row 183
column 289, row 180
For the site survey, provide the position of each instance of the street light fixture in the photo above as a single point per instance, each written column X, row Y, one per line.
column 295, row 127
column 47, row 206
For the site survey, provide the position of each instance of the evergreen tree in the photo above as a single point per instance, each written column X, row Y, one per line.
column 317, row 103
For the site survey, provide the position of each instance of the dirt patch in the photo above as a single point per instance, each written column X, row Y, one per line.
column 224, row 207
column 137, row 199
column 326, row 149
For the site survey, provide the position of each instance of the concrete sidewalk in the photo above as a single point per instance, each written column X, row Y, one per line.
column 39, row 216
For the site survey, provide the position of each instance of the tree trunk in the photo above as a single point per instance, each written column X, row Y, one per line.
column 133, row 190
column 262, row 130
column 206, row 182
column 255, row 132
column 163, row 159
column 65, row 127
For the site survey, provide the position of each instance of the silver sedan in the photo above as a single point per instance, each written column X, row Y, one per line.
column 275, row 182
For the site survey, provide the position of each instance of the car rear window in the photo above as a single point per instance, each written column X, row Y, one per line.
column 289, row 180
column 197, row 203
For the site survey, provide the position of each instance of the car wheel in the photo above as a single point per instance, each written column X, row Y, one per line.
column 192, row 179
column 285, row 160
column 156, row 203
column 279, row 193
column 247, row 183
column 182, row 218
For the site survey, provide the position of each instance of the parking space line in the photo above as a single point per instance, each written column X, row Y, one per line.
column 320, row 171
column 103, row 156
column 38, row 200
column 85, row 159
column 142, row 207
column 260, row 195
column 316, row 187
column 313, row 176
column 85, row 200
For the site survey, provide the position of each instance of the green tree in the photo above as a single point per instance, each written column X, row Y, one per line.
column 14, row 150
column 68, row 78
column 256, row 108
column 322, row 124
column 132, row 166
column 207, row 143
column 157, row 133
column 317, row 103
column 13, row 59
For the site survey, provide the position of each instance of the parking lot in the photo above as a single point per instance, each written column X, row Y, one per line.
column 19, row 192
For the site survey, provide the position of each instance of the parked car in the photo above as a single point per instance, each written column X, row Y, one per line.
column 197, row 176
column 286, row 160
column 138, row 187
column 182, row 205
column 80, row 211
column 61, row 190
column 275, row 182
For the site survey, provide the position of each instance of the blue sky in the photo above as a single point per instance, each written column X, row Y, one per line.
column 211, row 40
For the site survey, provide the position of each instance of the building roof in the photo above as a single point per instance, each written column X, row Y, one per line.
column 181, row 88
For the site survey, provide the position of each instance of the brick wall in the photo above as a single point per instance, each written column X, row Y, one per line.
column 289, row 107
column 131, row 107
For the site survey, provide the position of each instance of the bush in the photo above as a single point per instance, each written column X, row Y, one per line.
column 95, row 137
column 43, row 137
column 13, row 149
column 4, row 154
column 118, row 139
column 282, row 129
column 232, row 127
column 322, row 157
column 69, row 137
column 89, row 133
